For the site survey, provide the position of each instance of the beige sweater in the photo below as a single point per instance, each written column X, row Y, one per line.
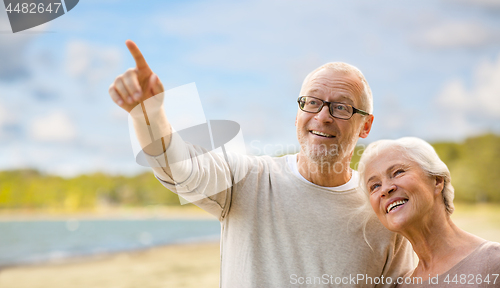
column 480, row 269
column 280, row 231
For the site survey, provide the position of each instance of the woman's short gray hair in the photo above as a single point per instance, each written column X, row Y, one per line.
column 417, row 150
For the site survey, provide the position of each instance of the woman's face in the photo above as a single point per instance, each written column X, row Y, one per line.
column 401, row 193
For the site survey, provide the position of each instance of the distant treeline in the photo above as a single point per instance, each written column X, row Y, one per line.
column 474, row 166
column 30, row 189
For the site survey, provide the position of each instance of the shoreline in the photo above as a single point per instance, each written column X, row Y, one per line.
column 188, row 265
column 106, row 254
column 119, row 213
column 190, row 212
column 100, row 255
column 174, row 265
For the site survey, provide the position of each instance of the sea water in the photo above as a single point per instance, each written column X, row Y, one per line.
column 24, row 242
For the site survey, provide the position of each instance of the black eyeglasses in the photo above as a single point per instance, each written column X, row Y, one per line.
column 338, row 110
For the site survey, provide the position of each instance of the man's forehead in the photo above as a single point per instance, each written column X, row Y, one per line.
column 347, row 87
column 340, row 96
column 327, row 73
column 328, row 77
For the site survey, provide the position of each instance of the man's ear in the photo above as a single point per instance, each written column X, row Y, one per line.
column 367, row 126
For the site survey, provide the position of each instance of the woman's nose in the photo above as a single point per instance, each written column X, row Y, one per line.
column 388, row 189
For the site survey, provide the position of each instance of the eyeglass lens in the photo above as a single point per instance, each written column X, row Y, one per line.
column 314, row 105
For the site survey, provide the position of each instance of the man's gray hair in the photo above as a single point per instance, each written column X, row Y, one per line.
column 417, row 150
column 366, row 97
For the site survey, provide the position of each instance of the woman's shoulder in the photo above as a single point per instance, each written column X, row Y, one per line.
column 491, row 250
column 487, row 256
column 487, row 249
column 483, row 263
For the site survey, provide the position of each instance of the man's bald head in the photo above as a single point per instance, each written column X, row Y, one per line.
column 366, row 95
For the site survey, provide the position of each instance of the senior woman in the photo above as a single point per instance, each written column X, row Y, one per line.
column 410, row 191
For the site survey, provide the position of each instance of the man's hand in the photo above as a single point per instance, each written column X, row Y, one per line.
column 131, row 89
column 136, row 84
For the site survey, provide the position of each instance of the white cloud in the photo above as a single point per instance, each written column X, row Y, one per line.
column 453, row 95
column 463, row 111
column 56, row 127
column 458, row 34
column 453, row 126
column 91, row 63
column 482, row 99
column 260, row 35
column 487, row 87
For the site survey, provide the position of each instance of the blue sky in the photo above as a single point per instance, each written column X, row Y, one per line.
column 433, row 66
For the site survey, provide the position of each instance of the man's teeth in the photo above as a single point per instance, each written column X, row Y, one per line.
column 396, row 204
column 321, row 134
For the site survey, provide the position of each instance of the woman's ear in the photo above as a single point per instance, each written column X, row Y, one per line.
column 439, row 184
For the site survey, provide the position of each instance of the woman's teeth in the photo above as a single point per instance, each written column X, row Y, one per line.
column 396, row 204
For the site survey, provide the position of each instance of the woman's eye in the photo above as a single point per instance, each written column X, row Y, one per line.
column 399, row 171
column 340, row 107
column 373, row 187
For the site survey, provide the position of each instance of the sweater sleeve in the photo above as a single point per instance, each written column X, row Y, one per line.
column 199, row 176
column 400, row 260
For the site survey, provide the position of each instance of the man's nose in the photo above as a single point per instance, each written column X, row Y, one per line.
column 324, row 115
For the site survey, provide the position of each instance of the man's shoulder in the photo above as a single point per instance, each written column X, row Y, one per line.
column 256, row 167
column 264, row 158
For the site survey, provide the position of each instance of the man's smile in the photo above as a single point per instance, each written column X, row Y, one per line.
column 322, row 134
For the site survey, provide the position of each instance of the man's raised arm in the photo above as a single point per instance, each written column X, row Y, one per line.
column 130, row 90
column 192, row 172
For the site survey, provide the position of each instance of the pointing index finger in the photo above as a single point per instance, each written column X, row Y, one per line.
column 136, row 53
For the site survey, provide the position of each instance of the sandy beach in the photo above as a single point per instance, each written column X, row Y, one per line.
column 186, row 265
column 180, row 265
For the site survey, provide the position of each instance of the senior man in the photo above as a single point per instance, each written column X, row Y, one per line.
column 290, row 221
